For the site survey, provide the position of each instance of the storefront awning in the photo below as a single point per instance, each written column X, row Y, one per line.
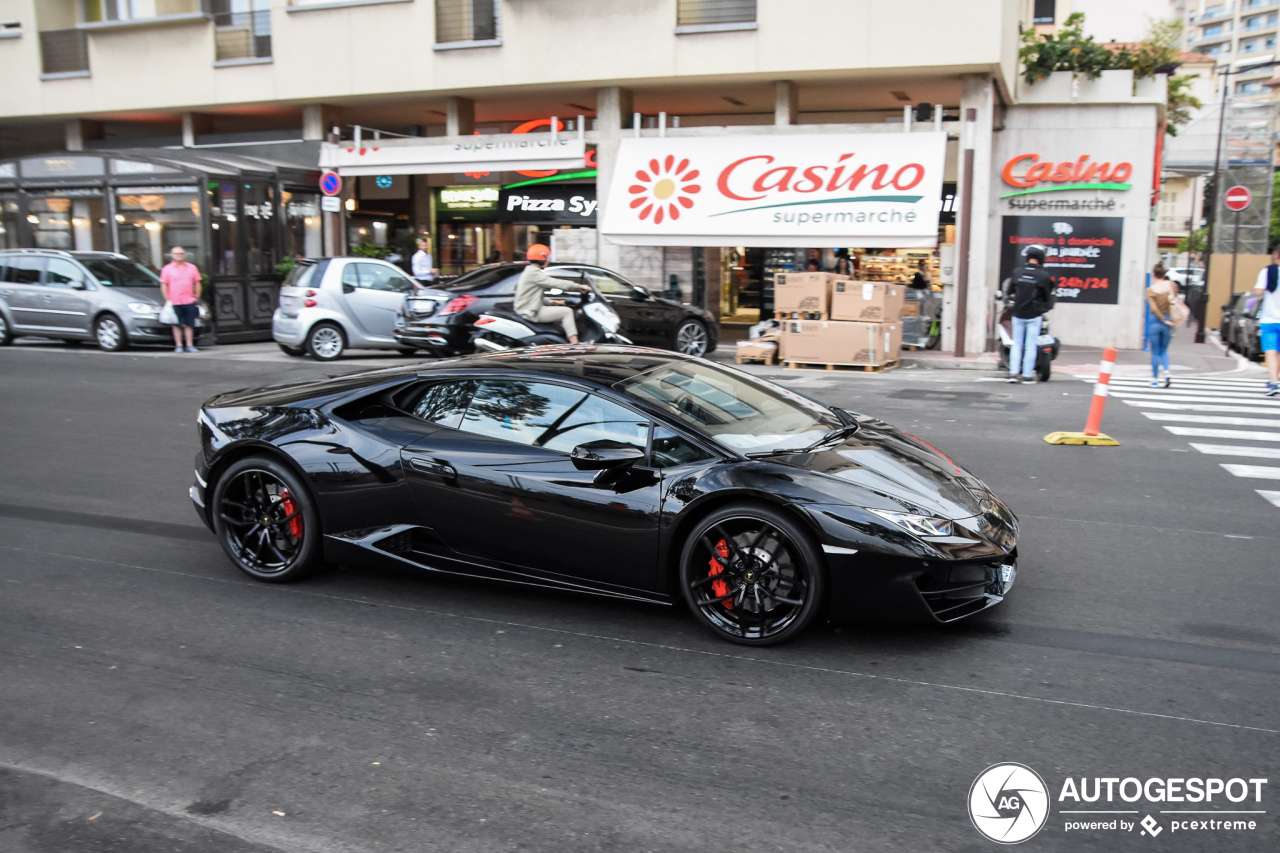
column 874, row 190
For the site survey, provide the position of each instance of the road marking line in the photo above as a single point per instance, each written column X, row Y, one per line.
column 1244, row 435
column 278, row 588
column 1272, row 497
column 1183, row 398
column 1194, row 407
column 1225, row 384
column 1238, row 450
column 1212, row 419
column 1257, row 472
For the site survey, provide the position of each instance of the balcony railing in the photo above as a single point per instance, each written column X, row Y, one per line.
column 64, row 52
column 240, row 36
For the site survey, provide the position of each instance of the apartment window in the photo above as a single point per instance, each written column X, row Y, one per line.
column 1212, row 11
column 1253, row 23
column 1270, row 43
column 466, row 22
column 242, row 30
column 1253, row 87
column 1209, row 51
column 713, row 13
column 1045, row 12
column 64, row 52
column 1248, row 46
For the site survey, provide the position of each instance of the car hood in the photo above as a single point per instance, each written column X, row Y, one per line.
column 138, row 294
column 886, row 461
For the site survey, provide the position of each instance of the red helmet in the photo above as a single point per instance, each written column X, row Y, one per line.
column 538, row 252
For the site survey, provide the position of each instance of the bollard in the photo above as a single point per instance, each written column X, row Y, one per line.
column 1092, row 435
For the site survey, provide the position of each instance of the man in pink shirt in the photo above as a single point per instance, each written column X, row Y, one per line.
column 180, row 285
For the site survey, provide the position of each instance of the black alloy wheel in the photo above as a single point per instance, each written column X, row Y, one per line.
column 266, row 520
column 294, row 351
column 692, row 338
column 6, row 336
column 752, row 575
column 326, row 341
column 109, row 332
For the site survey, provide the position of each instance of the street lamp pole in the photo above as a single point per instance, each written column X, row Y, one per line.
column 1213, row 206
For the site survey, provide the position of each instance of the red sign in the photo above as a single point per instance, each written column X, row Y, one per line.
column 1072, row 172
column 1237, row 198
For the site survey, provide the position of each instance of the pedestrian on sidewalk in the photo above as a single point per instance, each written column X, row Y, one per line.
column 1268, row 285
column 1030, row 288
column 180, row 286
column 424, row 271
column 1162, row 297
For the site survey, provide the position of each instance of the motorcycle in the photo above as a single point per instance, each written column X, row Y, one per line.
column 498, row 331
column 1047, row 345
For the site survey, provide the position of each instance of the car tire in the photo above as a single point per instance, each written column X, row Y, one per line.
column 407, row 351
column 1044, row 368
column 326, row 341
column 257, row 488
column 294, row 351
column 6, row 334
column 692, row 338
column 110, row 333
column 769, row 567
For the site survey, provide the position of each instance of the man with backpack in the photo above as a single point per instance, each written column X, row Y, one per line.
column 1030, row 289
column 1268, row 286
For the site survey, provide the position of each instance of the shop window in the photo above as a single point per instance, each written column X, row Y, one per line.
column 1045, row 12
column 224, row 228
column 64, row 52
column 715, row 13
column 242, row 30
column 71, row 223
column 259, row 227
column 302, row 225
column 8, row 221
column 152, row 220
column 459, row 22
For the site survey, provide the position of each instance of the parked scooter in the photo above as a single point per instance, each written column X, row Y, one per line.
column 1047, row 345
column 505, row 330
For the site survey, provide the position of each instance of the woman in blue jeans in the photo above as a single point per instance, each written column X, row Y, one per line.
column 1160, row 297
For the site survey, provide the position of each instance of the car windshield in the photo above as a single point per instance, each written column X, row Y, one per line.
column 481, row 279
column 733, row 409
column 119, row 272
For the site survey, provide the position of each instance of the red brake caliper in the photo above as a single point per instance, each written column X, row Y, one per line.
column 720, row 588
column 289, row 507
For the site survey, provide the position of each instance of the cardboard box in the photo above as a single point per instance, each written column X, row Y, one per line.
column 806, row 292
column 867, row 301
column 762, row 348
column 840, row 342
column 910, row 308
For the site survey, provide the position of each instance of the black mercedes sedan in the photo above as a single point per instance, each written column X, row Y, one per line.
column 617, row 471
column 441, row 321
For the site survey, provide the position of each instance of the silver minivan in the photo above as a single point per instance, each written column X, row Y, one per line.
column 331, row 304
column 78, row 296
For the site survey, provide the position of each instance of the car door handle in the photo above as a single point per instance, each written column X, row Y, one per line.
column 433, row 466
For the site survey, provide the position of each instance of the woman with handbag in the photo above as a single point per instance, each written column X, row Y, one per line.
column 1165, row 310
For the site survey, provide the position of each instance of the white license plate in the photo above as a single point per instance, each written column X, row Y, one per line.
column 1007, row 574
column 1046, row 340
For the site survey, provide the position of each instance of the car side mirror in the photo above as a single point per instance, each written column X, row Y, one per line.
column 604, row 454
column 641, row 295
column 348, row 288
column 79, row 285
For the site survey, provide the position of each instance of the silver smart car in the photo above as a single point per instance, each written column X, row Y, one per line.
column 78, row 296
column 331, row 304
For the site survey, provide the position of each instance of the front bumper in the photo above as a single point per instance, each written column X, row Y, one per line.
column 149, row 330
column 434, row 336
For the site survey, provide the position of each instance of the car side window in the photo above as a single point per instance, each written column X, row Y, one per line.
column 350, row 275
column 381, row 277
column 670, row 448
column 571, row 278
column 445, row 403
column 518, row 411
column 593, row 419
column 23, row 270
column 611, row 286
column 62, row 273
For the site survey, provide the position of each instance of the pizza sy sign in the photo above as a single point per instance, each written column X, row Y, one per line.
column 873, row 190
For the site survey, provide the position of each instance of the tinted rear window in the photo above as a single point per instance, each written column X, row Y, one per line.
column 300, row 276
column 483, row 279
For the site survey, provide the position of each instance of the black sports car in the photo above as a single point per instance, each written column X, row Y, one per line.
column 441, row 321
column 620, row 471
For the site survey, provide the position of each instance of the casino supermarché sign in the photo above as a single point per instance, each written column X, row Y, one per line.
column 871, row 189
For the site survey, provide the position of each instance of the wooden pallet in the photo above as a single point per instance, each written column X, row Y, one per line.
column 818, row 365
column 764, row 359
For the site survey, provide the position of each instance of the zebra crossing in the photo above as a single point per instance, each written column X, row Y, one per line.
column 1244, row 424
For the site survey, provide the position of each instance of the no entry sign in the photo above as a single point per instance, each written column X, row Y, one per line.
column 330, row 183
column 1237, row 198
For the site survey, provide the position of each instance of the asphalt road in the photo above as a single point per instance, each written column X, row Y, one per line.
column 153, row 699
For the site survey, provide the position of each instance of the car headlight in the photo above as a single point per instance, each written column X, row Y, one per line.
column 920, row 525
column 146, row 309
column 203, row 311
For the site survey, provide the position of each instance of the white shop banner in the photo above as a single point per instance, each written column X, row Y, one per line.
column 879, row 190
column 494, row 153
